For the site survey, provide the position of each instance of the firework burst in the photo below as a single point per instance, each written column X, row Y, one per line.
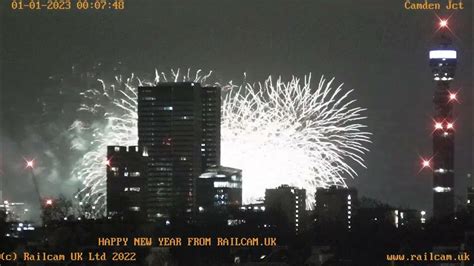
column 276, row 132
column 289, row 133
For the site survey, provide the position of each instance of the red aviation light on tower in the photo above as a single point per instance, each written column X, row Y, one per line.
column 438, row 125
column 49, row 202
column 452, row 96
column 443, row 23
column 450, row 126
column 425, row 163
column 30, row 164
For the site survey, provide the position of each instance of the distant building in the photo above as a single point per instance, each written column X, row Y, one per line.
column 388, row 216
column 252, row 217
column 443, row 61
column 335, row 206
column 219, row 187
column 408, row 218
column 179, row 124
column 126, row 182
column 287, row 205
column 15, row 211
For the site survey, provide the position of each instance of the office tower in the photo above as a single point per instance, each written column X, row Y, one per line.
column 126, row 182
column 179, row 126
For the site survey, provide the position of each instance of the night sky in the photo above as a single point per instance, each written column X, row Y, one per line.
column 375, row 47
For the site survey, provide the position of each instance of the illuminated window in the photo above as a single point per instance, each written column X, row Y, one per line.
column 442, row 189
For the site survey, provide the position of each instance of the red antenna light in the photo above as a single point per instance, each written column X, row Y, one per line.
column 30, row 164
column 452, row 96
column 49, row 202
column 425, row 163
column 438, row 125
column 443, row 23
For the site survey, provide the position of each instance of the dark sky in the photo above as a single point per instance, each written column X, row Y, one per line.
column 375, row 47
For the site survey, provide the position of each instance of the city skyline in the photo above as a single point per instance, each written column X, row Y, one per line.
column 393, row 161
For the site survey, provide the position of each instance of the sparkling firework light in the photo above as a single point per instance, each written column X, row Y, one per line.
column 290, row 133
column 276, row 132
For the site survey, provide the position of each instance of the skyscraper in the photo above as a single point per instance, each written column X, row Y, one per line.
column 126, row 182
column 443, row 61
column 179, row 126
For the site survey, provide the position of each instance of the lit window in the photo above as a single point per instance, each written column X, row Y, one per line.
column 219, row 184
column 442, row 189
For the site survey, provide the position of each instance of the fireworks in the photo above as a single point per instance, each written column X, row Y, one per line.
column 276, row 132
column 289, row 133
column 110, row 119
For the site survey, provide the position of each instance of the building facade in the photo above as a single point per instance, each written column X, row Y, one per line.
column 336, row 206
column 287, row 205
column 211, row 127
column 219, row 187
column 179, row 126
column 126, row 182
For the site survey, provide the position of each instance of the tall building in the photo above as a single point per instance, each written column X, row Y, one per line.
column 126, row 182
column 336, row 206
column 219, row 187
column 179, row 125
column 288, row 206
column 211, row 127
column 443, row 61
